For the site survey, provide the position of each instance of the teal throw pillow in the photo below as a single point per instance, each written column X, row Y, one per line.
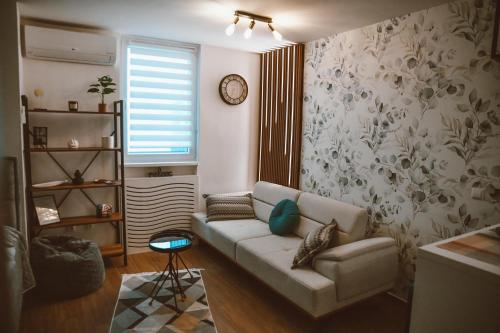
column 284, row 217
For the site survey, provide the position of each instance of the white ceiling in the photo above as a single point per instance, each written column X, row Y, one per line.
column 204, row 21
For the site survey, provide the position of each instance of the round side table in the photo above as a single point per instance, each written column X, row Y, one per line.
column 171, row 242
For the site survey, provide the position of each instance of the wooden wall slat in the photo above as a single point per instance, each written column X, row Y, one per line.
column 281, row 115
column 261, row 97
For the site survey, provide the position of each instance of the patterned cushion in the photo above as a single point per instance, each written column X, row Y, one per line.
column 226, row 207
column 314, row 242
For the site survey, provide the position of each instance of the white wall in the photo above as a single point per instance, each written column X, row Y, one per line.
column 228, row 134
column 10, row 145
column 227, row 137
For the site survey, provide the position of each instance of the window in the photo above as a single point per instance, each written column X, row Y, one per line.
column 161, row 102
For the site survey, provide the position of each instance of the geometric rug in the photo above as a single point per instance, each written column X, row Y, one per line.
column 134, row 314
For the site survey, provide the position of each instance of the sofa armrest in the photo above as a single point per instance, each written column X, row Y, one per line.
column 364, row 267
column 355, row 249
column 200, row 216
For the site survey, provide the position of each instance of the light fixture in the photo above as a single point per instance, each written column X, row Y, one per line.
column 253, row 17
column 248, row 33
column 232, row 27
column 276, row 34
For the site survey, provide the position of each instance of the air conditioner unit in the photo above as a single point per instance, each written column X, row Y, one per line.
column 69, row 46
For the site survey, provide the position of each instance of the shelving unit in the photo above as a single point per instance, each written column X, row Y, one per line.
column 117, row 218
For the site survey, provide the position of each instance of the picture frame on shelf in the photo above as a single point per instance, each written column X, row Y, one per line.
column 46, row 209
column 40, row 136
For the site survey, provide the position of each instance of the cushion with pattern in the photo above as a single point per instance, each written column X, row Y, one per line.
column 229, row 207
column 314, row 242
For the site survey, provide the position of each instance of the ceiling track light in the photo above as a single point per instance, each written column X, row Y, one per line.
column 253, row 17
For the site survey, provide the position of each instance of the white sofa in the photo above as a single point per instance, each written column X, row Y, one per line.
column 356, row 268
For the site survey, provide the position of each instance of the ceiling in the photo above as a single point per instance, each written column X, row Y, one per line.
column 204, row 21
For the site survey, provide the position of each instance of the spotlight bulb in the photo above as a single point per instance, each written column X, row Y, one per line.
column 232, row 27
column 248, row 33
column 277, row 35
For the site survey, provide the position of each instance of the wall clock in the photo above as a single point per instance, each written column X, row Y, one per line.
column 233, row 89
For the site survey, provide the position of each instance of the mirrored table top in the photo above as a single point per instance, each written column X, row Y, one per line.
column 169, row 243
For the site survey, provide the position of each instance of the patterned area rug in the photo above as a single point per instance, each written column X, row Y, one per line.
column 134, row 314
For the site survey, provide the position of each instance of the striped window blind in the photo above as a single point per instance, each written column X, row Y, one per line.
column 161, row 103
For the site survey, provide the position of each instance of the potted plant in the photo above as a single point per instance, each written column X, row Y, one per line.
column 104, row 86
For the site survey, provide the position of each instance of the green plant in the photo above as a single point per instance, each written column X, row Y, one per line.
column 104, row 86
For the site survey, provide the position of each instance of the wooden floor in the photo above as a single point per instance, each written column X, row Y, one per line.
column 239, row 303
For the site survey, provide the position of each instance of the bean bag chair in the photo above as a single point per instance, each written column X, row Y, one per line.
column 66, row 267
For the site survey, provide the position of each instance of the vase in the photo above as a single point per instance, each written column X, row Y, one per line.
column 103, row 107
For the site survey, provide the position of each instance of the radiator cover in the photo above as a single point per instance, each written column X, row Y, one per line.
column 156, row 204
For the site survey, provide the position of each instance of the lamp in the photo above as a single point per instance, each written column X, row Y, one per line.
column 253, row 17
column 232, row 27
column 248, row 33
column 275, row 33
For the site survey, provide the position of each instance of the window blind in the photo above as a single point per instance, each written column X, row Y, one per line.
column 161, row 103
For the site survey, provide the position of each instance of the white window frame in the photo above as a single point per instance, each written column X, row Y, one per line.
column 160, row 159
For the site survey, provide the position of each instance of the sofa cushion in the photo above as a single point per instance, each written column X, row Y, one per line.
column 351, row 220
column 268, row 244
column 284, row 217
column 274, row 193
column 229, row 207
column 262, row 210
column 308, row 289
column 225, row 234
column 267, row 195
column 315, row 242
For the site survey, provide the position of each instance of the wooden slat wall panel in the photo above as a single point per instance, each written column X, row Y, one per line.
column 281, row 115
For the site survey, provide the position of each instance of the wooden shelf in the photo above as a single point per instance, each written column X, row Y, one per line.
column 118, row 218
column 112, row 250
column 75, row 187
column 66, row 149
column 83, row 220
column 74, row 112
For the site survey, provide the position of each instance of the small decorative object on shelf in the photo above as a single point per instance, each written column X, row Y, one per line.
column 46, row 209
column 107, row 142
column 103, row 181
column 104, row 86
column 73, row 143
column 40, row 136
column 39, row 93
column 160, row 173
column 50, row 184
column 104, row 210
column 77, row 179
column 73, row 106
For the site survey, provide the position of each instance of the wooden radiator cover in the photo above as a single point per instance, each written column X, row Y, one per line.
column 158, row 203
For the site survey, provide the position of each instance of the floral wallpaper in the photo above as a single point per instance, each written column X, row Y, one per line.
column 403, row 118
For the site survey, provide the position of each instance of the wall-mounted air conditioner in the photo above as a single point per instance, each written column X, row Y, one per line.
column 69, row 46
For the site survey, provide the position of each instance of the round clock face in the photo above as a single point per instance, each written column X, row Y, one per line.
column 233, row 89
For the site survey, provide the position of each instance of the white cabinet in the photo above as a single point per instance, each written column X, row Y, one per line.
column 457, row 286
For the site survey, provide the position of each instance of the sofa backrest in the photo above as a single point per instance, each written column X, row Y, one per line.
column 316, row 210
column 267, row 195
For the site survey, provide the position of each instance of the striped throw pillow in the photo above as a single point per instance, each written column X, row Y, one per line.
column 314, row 242
column 226, row 207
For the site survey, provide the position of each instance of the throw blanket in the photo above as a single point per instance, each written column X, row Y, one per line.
column 18, row 264
column 16, row 273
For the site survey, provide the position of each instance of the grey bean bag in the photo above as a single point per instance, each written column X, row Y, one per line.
column 66, row 267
